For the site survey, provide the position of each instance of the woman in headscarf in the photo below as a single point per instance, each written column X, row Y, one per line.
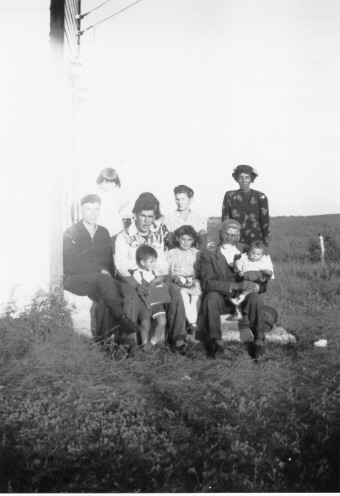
column 248, row 206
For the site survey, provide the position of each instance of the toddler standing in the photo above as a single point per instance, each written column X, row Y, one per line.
column 184, row 266
column 255, row 266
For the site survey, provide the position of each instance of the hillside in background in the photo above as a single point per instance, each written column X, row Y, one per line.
column 290, row 234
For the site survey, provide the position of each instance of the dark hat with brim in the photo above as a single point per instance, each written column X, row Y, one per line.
column 246, row 169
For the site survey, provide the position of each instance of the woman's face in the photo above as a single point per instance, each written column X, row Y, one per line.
column 244, row 181
column 185, row 242
column 108, row 185
column 144, row 220
column 182, row 201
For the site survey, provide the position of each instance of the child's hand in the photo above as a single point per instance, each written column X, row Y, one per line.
column 142, row 290
column 267, row 272
column 157, row 280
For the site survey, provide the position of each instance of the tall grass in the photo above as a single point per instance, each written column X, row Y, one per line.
column 73, row 419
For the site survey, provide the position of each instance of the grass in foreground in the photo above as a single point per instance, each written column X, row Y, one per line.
column 74, row 420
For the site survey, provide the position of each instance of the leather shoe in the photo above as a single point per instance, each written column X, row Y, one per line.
column 128, row 325
column 218, row 349
column 259, row 349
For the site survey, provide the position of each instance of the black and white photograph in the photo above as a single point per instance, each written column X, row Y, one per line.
column 170, row 256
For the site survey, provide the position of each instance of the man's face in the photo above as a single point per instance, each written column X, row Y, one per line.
column 229, row 236
column 90, row 212
column 144, row 219
column 182, row 201
column 255, row 254
column 244, row 180
column 149, row 263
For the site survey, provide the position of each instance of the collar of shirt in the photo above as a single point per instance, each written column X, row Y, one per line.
column 139, row 238
column 90, row 229
column 229, row 252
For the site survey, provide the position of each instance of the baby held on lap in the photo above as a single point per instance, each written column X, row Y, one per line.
column 255, row 266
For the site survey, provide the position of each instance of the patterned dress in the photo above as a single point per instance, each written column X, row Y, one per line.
column 250, row 209
column 186, row 263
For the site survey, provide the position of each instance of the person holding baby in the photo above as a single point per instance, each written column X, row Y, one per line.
column 221, row 284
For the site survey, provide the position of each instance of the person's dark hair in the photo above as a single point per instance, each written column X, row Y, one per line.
column 109, row 175
column 143, row 252
column 147, row 201
column 245, row 169
column 188, row 231
column 184, row 189
column 259, row 245
column 90, row 199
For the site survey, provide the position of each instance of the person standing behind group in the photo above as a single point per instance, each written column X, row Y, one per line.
column 183, row 215
column 113, row 201
column 248, row 206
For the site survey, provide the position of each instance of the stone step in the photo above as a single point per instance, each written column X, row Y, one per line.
column 82, row 310
column 238, row 331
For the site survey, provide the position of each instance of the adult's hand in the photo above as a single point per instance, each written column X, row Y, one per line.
column 250, row 286
column 142, row 290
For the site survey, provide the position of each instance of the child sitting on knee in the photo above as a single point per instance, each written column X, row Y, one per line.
column 146, row 258
column 255, row 266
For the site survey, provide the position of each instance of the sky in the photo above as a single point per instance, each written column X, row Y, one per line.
column 182, row 91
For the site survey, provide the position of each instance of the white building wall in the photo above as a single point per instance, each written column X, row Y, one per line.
column 27, row 149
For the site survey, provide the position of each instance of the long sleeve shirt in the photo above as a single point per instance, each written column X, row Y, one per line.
column 129, row 240
column 217, row 275
column 250, row 209
column 84, row 254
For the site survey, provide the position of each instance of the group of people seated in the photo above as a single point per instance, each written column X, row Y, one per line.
column 157, row 281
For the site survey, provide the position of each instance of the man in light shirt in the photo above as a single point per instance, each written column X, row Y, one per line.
column 184, row 215
column 220, row 283
column 147, row 230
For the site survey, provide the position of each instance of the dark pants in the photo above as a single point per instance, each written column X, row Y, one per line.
column 114, row 298
column 175, row 314
column 96, row 285
column 261, row 317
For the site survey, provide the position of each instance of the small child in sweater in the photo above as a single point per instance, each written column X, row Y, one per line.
column 255, row 266
column 146, row 258
column 184, row 266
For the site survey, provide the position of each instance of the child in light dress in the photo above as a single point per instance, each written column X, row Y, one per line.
column 113, row 201
column 255, row 266
column 146, row 258
column 184, row 267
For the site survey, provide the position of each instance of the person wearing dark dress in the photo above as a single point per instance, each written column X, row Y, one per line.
column 248, row 206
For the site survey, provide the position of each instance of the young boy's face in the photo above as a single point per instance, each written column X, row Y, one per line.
column 255, row 254
column 185, row 242
column 182, row 201
column 149, row 263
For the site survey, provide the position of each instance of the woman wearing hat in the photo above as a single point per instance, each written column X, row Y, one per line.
column 248, row 206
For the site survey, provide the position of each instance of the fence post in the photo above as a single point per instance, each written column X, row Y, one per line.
column 322, row 246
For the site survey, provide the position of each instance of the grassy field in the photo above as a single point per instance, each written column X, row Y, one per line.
column 75, row 420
